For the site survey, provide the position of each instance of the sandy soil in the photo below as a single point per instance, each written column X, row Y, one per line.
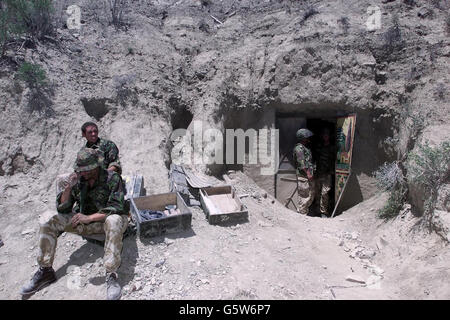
column 277, row 254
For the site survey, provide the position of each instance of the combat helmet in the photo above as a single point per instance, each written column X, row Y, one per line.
column 303, row 134
column 87, row 159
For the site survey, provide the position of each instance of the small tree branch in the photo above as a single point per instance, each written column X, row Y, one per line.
column 217, row 20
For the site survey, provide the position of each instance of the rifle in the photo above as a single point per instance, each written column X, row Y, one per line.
column 83, row 191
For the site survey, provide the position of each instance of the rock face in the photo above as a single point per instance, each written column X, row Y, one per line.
column 441, row 224
column 229, row 64
column 226, row 64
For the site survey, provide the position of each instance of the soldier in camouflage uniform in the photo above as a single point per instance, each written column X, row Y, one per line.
column 107, row 151
column 325, row 155
column 92, row 203
column 305, row 171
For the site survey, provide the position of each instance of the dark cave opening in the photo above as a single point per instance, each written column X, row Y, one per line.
column 369, row 151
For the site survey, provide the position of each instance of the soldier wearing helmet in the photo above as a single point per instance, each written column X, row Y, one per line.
column 305, row 170
column 91, row 203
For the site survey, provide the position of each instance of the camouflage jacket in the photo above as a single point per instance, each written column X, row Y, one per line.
column 108, row 152
column 105, row 196
column 303, row 159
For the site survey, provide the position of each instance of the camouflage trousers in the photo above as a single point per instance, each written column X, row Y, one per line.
column 306, row 194
column 113, row 228
column 323, row 187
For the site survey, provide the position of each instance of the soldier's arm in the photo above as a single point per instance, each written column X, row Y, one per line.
column 65, row 196
column 116, row 200
column 113, row 158
column 301, row 163
column 65, row 201
column 115, row 204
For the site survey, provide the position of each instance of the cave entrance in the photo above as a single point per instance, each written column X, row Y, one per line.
column 181, row 117
column 341, row 136
column 369, row 150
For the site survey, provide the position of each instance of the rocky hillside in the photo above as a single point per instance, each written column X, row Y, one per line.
column 168, row 63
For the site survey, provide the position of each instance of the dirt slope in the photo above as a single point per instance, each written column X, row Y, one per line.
column 278, row 254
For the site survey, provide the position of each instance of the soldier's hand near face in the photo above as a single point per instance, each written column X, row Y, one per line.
column 68, row 185
column 113, row 168
column 71, row 181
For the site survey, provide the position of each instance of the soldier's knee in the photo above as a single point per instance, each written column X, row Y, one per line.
column 113, row 221
column 46, row 217
column 51, row 223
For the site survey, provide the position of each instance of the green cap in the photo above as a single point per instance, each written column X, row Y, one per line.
column 304, row 134
column 87, row 159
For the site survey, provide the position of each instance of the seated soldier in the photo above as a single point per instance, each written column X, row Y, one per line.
column 107, row 150
column 93, row 202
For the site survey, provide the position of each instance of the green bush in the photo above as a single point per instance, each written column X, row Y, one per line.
column 429, row 167
column 41, row 90
column 4, row 32
column 394, row 203
column 33, row 75
column 390, row 178
column 413, row 120
column 38, row 18
column 24, row 17
column 10, row 28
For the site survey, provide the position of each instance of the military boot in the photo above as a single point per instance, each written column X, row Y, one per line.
column 113, row 289
column 42, row 278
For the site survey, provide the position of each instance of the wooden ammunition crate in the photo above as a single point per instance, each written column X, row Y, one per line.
column 221, row 204
column 163, row 225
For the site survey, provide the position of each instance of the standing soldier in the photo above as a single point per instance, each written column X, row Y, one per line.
column 93, row 202
column 305, row 171
column 325, row 156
